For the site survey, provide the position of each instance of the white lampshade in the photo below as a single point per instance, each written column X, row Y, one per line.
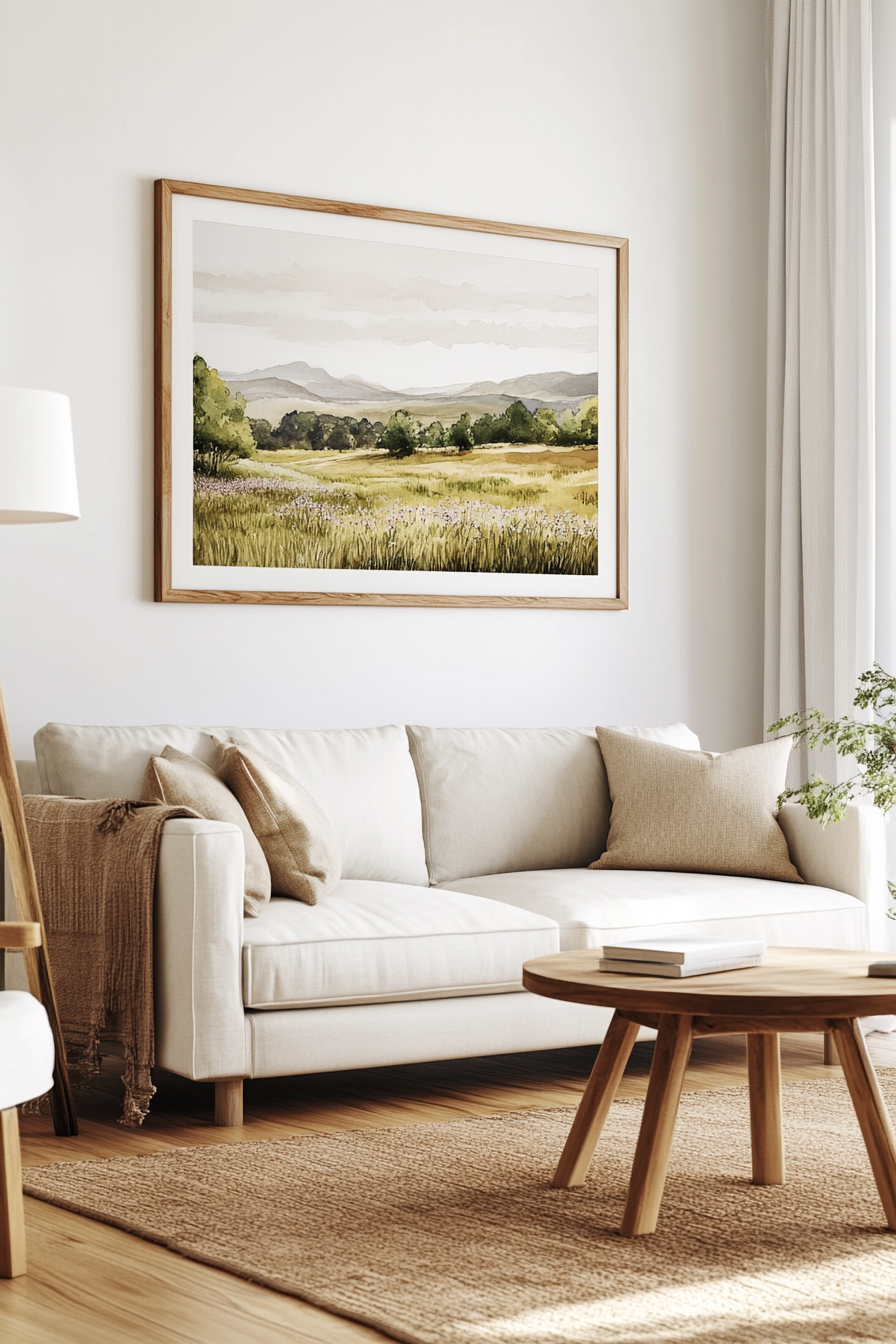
column 37, row 457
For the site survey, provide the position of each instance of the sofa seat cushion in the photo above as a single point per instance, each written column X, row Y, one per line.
column 375, row 942
column 594, row 906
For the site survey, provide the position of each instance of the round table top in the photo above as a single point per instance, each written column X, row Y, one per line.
column 793, row 981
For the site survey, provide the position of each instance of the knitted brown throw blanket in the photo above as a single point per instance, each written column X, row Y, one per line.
column 96, row 870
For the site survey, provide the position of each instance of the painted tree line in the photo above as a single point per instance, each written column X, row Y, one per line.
column 223, row 432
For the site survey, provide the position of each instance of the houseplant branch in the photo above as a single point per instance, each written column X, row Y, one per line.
column 870, row 742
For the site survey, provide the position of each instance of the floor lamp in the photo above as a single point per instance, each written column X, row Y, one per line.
column 37, row 485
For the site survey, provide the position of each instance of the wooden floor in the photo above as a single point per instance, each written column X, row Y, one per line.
column 91, row 1284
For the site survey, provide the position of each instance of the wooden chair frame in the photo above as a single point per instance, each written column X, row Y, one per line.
column 37, row 963
column 24, row 937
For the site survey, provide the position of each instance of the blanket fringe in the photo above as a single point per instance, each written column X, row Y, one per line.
column 118, row 811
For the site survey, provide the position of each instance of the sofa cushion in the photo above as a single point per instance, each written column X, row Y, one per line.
column 176, row 777
column 499, row 800
column 295, row 834
column 363, row 778
column 672, row 734
column 593, row 906
column 690, row 811
column 372, row 942
column 496, row 800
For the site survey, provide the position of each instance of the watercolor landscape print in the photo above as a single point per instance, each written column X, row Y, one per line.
column 394, row 410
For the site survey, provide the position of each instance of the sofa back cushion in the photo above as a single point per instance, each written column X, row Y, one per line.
column 503, row 800
column 362, row 778
column 293, row 830
column 508, row 800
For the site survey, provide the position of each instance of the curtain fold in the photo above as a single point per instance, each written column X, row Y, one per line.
column 819, row 632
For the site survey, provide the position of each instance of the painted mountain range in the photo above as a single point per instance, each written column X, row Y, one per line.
column 300, row 381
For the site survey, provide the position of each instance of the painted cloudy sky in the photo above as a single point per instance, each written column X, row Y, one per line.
column 395, row 315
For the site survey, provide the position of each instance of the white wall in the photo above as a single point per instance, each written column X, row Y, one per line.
column 643, row 118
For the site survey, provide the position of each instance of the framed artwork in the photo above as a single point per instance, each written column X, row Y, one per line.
column 374, row 406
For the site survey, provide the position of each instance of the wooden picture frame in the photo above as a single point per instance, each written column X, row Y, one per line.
column 402, row 271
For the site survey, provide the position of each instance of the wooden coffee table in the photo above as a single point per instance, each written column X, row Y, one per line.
column 794, row 989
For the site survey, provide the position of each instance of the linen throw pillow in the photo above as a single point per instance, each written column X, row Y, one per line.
column 692, row 812
column 175, row 777
column 295, row 834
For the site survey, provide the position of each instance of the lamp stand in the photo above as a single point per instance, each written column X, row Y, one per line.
column 37, row 962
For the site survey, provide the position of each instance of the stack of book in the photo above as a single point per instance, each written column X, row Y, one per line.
column 678, row 957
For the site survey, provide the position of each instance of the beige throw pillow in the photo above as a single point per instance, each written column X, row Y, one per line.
column 691, row 812
column 295, row 834
column 175, row 777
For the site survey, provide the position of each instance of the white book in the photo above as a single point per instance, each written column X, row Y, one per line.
column 674, row 970
column 686, row 951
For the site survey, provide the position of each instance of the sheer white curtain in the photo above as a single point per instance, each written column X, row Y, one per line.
column 820, row 432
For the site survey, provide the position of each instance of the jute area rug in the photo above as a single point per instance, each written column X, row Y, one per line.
column 450, row 1233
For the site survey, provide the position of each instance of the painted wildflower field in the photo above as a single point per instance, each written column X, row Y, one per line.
column 325, row 491
column 504, row 509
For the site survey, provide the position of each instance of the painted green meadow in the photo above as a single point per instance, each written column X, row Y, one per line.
column 509, row 494
column 504, row 509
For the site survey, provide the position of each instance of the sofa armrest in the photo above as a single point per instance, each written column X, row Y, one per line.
column 201, row 1028
column 848, row 855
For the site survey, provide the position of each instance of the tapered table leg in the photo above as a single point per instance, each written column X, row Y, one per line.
column 670, row 1058
column 767, row 1139
column 871, row 1111
column 594, row 1107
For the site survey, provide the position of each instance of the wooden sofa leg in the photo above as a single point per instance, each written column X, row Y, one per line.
column 12, row 1207
column 229, row 1101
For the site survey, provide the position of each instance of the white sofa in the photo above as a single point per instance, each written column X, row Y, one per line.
column 465, row 853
